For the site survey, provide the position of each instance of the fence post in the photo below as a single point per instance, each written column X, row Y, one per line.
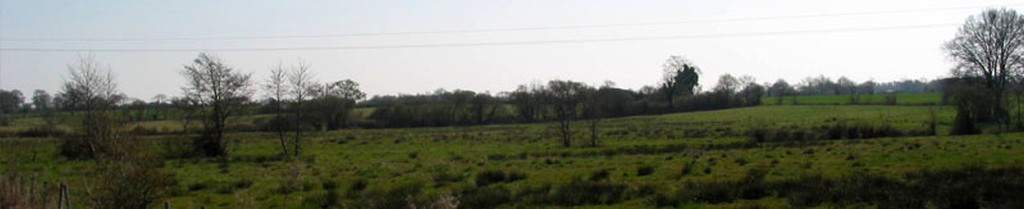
column 64, row 197
column 60, row 196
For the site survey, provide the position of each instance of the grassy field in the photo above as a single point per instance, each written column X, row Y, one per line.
column 649, row 160
column 879, row 98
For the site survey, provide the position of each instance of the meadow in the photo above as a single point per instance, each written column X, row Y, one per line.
column 877, row 98
column 709, row 159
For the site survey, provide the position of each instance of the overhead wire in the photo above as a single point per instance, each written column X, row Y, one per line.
column 471, row 44
column 510, row 29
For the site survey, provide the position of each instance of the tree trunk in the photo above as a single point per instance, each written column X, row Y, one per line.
column 280, row 129
column 298, row 127
column 566, row 133
column 593, row 131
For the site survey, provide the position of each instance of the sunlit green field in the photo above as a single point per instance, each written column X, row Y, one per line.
column 644, row 153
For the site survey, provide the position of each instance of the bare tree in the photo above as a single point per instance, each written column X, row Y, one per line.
column 301, row 84
column 219, row 92
column 990, row 46
column 277, row 90
column 125, row 174
column 567, row 97
column 91, row 88
column 90, row 85
column 727, row 84
column 594, row 108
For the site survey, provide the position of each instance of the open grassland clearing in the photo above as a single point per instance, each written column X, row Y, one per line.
column 687, row 159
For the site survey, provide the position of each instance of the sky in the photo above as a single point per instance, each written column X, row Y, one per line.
column 410, row 46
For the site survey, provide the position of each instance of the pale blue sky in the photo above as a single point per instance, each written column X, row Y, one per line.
column 880, row 55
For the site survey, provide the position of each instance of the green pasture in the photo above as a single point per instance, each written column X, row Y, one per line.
column 678, row 148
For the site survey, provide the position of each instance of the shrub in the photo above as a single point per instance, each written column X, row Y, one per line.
column 600, row 175
column 358, row 186
column 579, row 192
column 496, row 176
column 403, row 196
column 128, row 183
column 751, row 186
column 687, row 169
column 834, row 131
column 443, row 177
column 484, row 197
column 645, row 170
column 326, row 199
column 41, row 131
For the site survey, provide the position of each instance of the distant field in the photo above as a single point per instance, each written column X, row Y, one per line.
column 664, row 153
column 878, row 98
column 161, row 126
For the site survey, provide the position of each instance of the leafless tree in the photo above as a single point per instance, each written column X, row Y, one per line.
column 567, row 96
column 277, row 90
column 91, row 88
column 727, row 84
column 301, row 84
column 990, row 46
column 219, row 92
column 125, row 174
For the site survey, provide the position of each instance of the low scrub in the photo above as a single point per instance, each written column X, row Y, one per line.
column 832, row 132
column 403, row 196
column 497, row 176
column 41, row 131
column 484, row 197
column 970, row 187
column 580, row 192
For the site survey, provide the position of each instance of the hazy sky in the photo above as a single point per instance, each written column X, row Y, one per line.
column 882, row 40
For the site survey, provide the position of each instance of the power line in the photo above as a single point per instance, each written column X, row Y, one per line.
column 509, row 43
column 542, row 28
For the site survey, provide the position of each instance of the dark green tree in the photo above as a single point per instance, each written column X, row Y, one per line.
column 680, row 79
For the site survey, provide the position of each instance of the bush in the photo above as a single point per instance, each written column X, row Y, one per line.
column 403, row 196
column 443, row 177
column 484, row 197
column 358, row 186
column 579, row 192
column 751, row 186
column 496, row 176
column 835, row 131
column 326, row 199
column 645, row 170
column 600, row 175
column 102, row 135
column 41, row 131
column 969, row 187
column 130, row 182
